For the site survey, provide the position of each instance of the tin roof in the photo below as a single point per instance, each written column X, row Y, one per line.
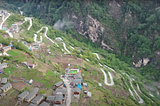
column 4, row 80
column 6, row 86
column 37, row 98
column 6, row 47
column 50, row 98
column 34, row 92
column 23, row 94
column 58, row 83
column 44, row 104
column 58, row 97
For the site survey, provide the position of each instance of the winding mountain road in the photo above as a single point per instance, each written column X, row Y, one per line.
column 97, row 56
column 64, row 45
column 45, row 34
column 105, row 78
column 35, row 38
column 4, row 21
column 140, row 99
column 30, row 19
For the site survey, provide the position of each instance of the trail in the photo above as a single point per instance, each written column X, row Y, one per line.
column 72, row 47
column 110, row 68
column 35, row 38
column 4, row 21
column 64, row 45
column 97, row 56
column 10, row 34
column 105, row 78
column 142, row 93
column 30, row 19
column 45, row 34
column 140, row 99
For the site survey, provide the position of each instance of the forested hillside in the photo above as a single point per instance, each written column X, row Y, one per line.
column 128, row 28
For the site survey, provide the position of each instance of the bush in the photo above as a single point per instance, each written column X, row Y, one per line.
column 116, row 81
column 42, row 91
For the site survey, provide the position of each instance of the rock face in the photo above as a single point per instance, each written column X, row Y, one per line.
column 91, row 28
column 142, row 62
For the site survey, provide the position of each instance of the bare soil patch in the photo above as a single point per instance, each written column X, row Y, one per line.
column 37, row 84
column 84, row 101
column 18, row 85
column 15, row 78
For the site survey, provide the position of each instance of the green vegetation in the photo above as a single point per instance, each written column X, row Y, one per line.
column 14, row 52
column 42, row 91
column 49, row 72
column 13, row 18
column 9, row 70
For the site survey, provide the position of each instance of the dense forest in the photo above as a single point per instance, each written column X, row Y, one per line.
column 131, row 28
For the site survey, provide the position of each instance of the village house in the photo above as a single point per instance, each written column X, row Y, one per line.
column 58, row 99
column 31, row 95
column 31, row 65
column 76, row 81
column 36, row 45
column 1, row 45
column 3, row 12
column 57, row 105
column 76, row 91
column 22, row 96
column 37, row 99
column 63, row 91
column 78, row 76
column 50, row 99
column 58, row 84
column 6, row 48
column 3, row 65
column 1, row 69
column 31, row 104
column 3, row 81
column 6, row 87
column 44, row 104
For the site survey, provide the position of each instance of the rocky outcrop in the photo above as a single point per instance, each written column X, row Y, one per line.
column 142, row 62
column 105, row 46
column 90, row 28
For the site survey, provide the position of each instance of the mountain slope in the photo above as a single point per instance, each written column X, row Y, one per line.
column 128, row 28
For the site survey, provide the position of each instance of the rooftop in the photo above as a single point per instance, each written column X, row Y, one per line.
column 37, row 98
column 58, row 97
column 44, row 104
column 58, row 83
column 77, row 81
column 6, row 86
column 6, row 47
column 32, row 104
column 35, row 44
column 78, row 76
column 50, row 98
column 76, row 89
column 35, row 90
column 60, row 90
column 23, row 94
column 4, row 80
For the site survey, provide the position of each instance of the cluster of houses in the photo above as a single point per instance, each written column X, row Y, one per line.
column 77, row 81
column 35, row 99
column 6, row 86
column 34, row 46
column 14, row 28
